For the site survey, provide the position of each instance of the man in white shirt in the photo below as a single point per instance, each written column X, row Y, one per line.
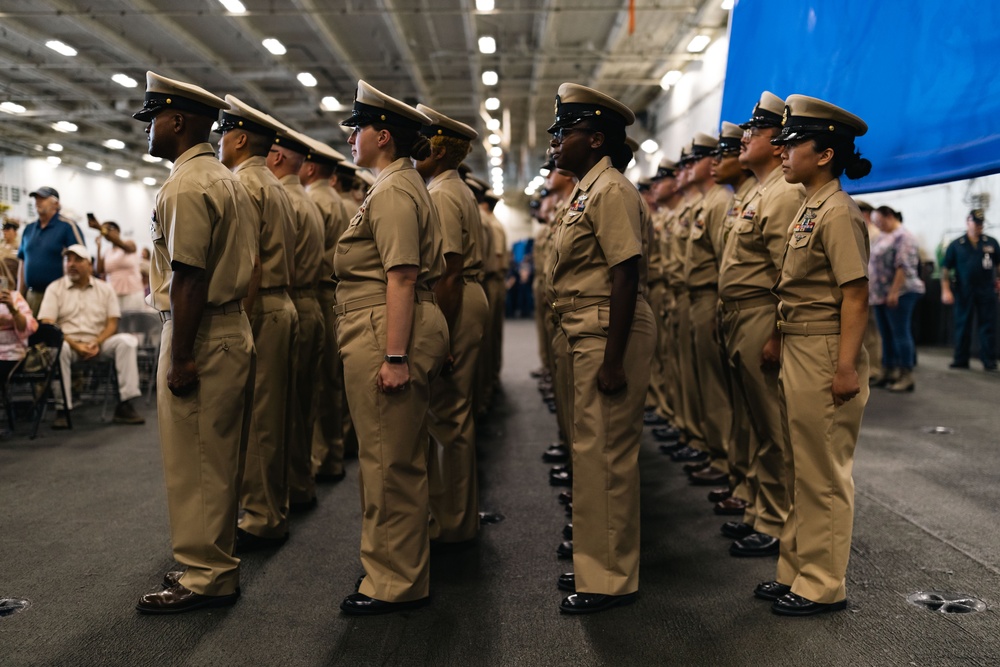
column 86, row 309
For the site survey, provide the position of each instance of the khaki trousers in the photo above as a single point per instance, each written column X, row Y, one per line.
column 658, row 397
column 563, row 385
column 816, row 541
column 203, row 440
column 606, row 433
column 542, row 313
column 328, row 429
column 873, row 343
column 671, row 361
column 496, row 296
column 451, row 461
column 308, row 357
column 392, row 438
column 757, row 400
column 264, row 492
column 690, row 398
column 713, row 390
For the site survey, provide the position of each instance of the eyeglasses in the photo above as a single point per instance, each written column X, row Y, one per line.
column 560, row 134
column 751, row 132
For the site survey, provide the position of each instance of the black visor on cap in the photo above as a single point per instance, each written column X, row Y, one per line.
column 762, row 118
column 800, row 128
column 663, row 172
column 154, row 103
column 233, row 122
column 293, row 145
column 727, row 145
column 571, row 113
column 316, row 158
column 365, row 114
column 439, row 131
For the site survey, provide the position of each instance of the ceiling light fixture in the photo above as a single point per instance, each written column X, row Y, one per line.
column 493, row 124
column 649, row 146
column 233, row 6
column 494, row 139
column 124, row 80
column 65, row 126
column 727, row 4
column 94, row 166
column 54, row 160
column 670, row 79
column 330, row 103
column 496, row 161
column 496, row 171
column 484, row 5
column 149, row 180
column 490, row 78
column 12, row 107
column 487, row 45
column 114, row 144
column 122, row 173
column 151, row 158
column 698, row 43
column 544, row 172
column 60, row 48
column 274, row 46
column 496, row 151
column 492, row 104
column 307, row 79
column 55, row 148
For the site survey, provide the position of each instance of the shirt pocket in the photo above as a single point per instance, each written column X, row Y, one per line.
column 799, row 240
column 347, row 240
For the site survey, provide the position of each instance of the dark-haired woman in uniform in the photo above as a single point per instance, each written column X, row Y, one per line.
column 599, row 265
column 823, row 315
column 393, row 340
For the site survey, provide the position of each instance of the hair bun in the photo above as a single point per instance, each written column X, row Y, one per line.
column 421, row 148
column 859, row 168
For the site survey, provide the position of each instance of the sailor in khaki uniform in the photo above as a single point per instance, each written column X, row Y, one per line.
column 451, row 462
column 284, row 160
column 598, row 276
column 204, row 243
column 247, row 135
column 823, row 313
column 751, row 266
column 659, row 397
column 393, row 340
column 496, row 294
column 328, row 430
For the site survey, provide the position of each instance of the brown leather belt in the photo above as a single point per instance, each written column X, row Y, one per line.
column 565, row 305
column 271, row 290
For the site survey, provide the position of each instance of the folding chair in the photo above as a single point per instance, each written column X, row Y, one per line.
column 146, row 326
column 39, row 381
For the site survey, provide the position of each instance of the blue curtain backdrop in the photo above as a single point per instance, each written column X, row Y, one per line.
column 924, row 75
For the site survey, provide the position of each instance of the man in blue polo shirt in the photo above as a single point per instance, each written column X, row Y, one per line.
column 972, row 261
column 40, row 256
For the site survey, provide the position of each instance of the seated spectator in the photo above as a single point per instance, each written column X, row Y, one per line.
column 16, row 326
column 86, row 309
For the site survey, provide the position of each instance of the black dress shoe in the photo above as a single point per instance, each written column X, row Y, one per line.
column 718, row 495
column 589, row 603
column 567, row 582
column 565, row 497
column 565, row 550
column 248, row 542
column 330, row 478
column 559, row 468
column 653, row 419
column 771, row 590
column 569, row 509
column 303, row 506
column 791, row 604
column 556, row 454
column 708, row 477
column 551, row 405
column 731, row 507
column 177, row 599
column 689, row 455
column 359, row 604
column 755, row 545
column 736, row 530
column 561, row 478
column 669, row 448
column 568, row 531
column 172, row 578
column 666, row 433
column 696, row 466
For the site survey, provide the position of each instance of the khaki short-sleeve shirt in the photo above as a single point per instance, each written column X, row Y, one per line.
column 655, row 263
column 309, row 234
column 604, row 225
column 335, row 220
column 461, row 224
column 704, row 248
column 276, row 221
column 204, row 218
column 81, row 312
column 679, row 233
column 827, row 247
column 496, row 264
column 396, row 225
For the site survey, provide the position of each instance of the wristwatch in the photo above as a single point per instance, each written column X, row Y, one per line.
column 397, row 358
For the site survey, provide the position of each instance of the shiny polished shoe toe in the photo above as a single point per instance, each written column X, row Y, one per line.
column 720, row 494
column 791, row 604
column 736, row 530
column 172, row 578
column 564, row 478
column 771, row 590
column 565, row 550
column 731, row 507
column 359, row 604
column 178, row 599
column 567, row 582
column 755, row 545
column 589, row 603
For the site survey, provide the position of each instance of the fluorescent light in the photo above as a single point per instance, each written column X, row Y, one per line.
column 54, row 160
column 498, row 192
column 496, row 161
column 492, row 104
column 94, row 166
column 150, row 158
column 233, row 6
column 493, row 124
column 55, row 148
column 12, row 107
column 631, row 163
column 125, row 80
column 330, row 103
column 649, row 146
column 64, row 126
column 670, row 79
column 698, row 43
column 149, row 180
column 496, row 171
column 274, row 46
column 529, row 191
column 307, row 79
column 544, row 172
column 122, row 173
column 494, row 139
column 490, row 78
column 168, row 164
column 59, row 47
column 487, row 45
column 727, row 4
column 496, row 151
column 484, row 5
column 215, row 125
column 114, row 144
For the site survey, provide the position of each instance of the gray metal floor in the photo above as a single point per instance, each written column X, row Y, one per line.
column 84, row 532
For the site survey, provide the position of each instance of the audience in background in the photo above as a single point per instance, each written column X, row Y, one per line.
column 16, row 326
column 42, row 245
column 119, row 265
